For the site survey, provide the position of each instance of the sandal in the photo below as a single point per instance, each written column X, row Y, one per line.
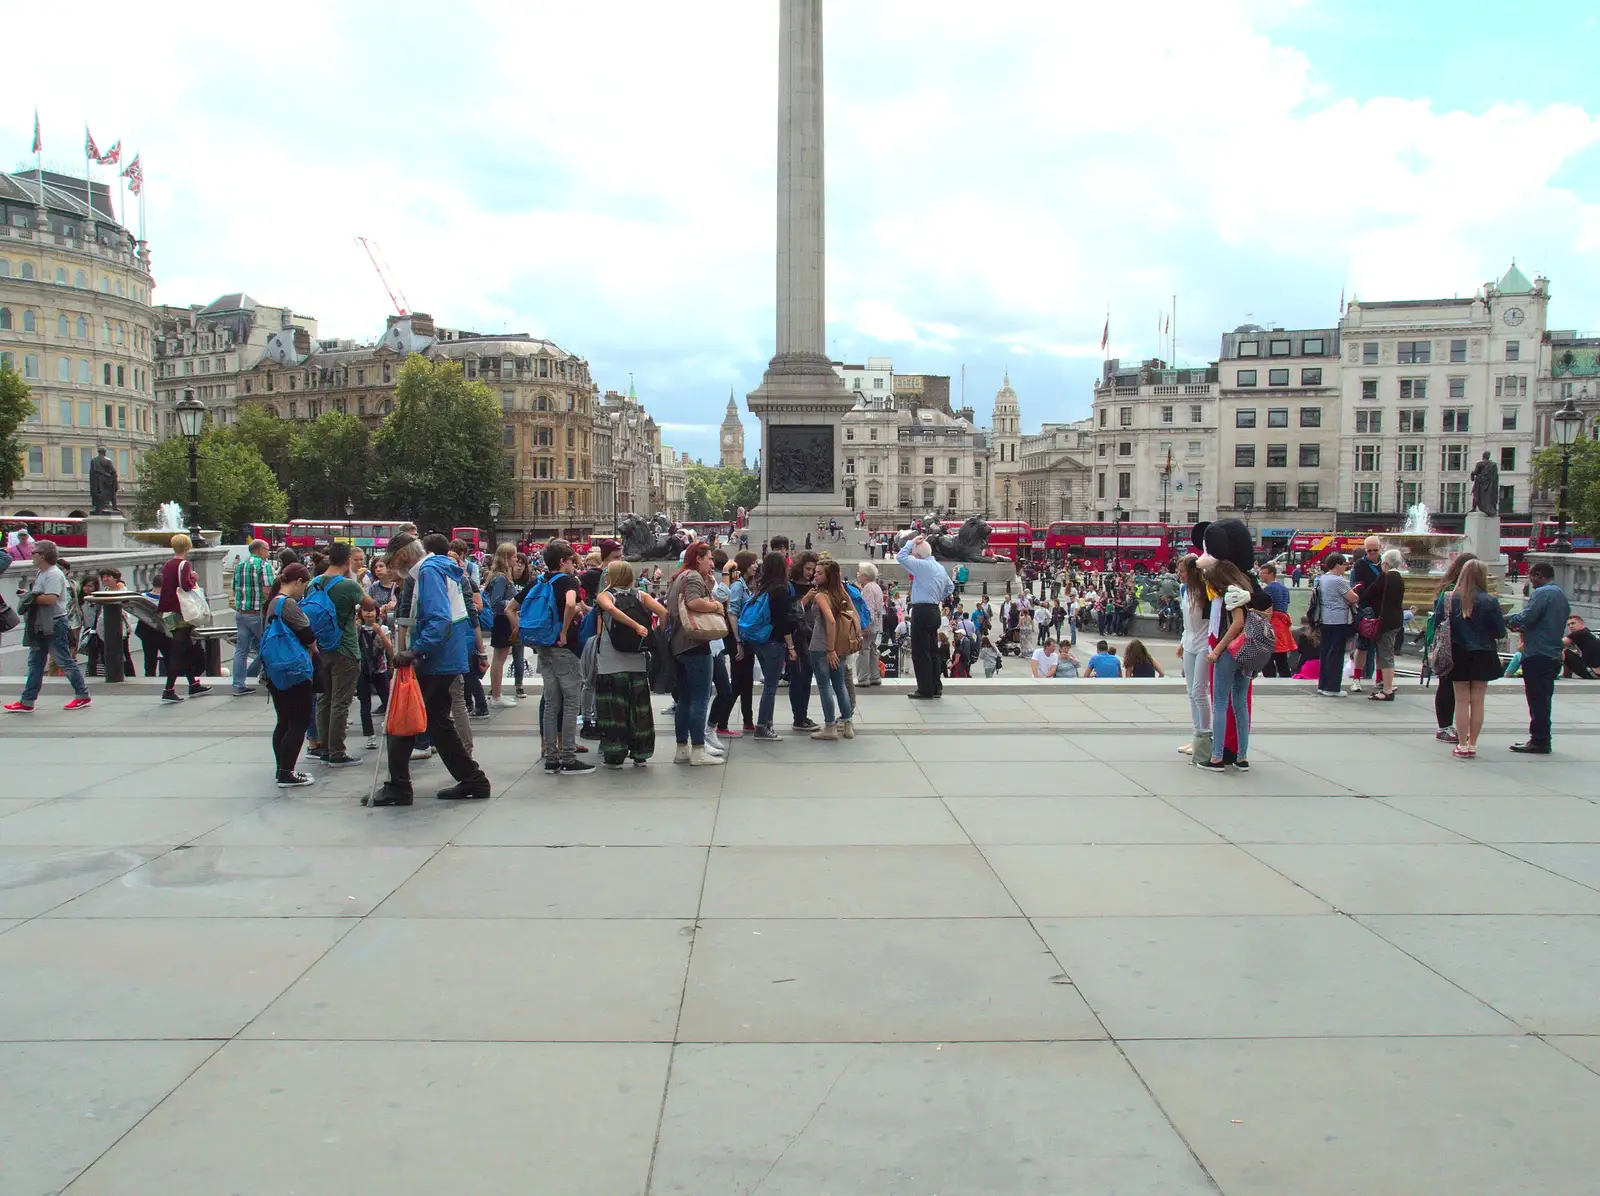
column 1380, row 696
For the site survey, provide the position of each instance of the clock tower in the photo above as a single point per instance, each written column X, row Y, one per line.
column 732, row 437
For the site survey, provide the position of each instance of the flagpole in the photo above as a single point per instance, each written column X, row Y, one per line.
column 88, row 191
column 1174, row 330
column 38, row 161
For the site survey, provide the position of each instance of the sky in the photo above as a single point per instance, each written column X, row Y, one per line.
column 1001, row 178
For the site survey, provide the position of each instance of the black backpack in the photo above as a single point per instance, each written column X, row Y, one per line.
column 623, row 637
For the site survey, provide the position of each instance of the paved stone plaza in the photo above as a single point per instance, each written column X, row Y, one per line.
column 1006, row 944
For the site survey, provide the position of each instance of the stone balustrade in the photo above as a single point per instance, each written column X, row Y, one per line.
column 1578, row 575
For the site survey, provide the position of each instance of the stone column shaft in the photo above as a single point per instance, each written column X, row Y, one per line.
column 801, row 233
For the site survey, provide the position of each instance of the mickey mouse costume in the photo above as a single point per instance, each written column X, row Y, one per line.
column 1230, row 540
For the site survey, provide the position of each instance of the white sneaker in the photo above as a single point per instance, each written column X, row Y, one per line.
column 372, row 744
column 422, row 754
column 713, row 748
column 681, row 755
column 704, row 759
column 507, row 701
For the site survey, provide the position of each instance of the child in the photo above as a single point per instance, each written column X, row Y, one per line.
column 376, row 653
column 1229, row 683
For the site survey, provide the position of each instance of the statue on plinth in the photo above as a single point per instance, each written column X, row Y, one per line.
column 970, row 543
column 655, row 539
column 1486, row 487
column 103, row 486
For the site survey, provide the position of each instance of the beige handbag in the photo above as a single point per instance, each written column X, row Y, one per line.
column 700, row 627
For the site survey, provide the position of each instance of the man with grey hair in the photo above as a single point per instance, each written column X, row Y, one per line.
column 1364, row 571
column 930, row 586
column 252, row 578
column 872, row 595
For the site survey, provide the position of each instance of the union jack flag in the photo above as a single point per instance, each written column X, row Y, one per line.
column 113, row 155
column 90, row 149
column 134, row 173
column 37, row 144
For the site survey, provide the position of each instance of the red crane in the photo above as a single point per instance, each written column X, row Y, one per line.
column 396, row 295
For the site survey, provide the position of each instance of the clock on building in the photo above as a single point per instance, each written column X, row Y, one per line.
column 1514, row 316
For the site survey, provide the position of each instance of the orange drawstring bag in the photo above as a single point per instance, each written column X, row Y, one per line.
column 406, row 713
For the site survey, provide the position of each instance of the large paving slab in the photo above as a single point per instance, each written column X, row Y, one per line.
column 1008, row 945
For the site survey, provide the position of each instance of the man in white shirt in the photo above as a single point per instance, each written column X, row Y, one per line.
column 49, row 635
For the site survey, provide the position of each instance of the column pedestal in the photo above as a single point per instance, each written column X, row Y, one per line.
column 104, row 532
column 1483, row 537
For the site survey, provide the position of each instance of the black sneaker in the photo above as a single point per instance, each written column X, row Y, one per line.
column 392, row 795
column 294, row 780
column 465, row 791
column 808, row 725
column 1211, row 765
column 196, row 689
column 1242, row 764
column 170, row 695
column 576, row 768
column 590, row 731
column 317, row 754
column 552, row 766
column 342, row 760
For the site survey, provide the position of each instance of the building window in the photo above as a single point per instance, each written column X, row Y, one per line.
column 36, row 459
column 1125, row 417
column 1280, row 348
column 1508, row 419
column 120, row 376
column 1195, row 448
column 1196, row 413
column 68, row 460
column 1414, row 352
column 1312, row 346
column 1244, row 417
column 1366, row 498
column 1100, row 449
column 1277, row 417
column 849, row 433
column 927, row 497
column 1367, row 458
column 64, row 369
column 30, row 365
column 1458, row 351
column 1369, row 353
column 1458, row 388
column 29, row 322
column 1414, row 420
column 1277, row 377
column 1166, row 415
column 1277, row 456
column 1457, row 420
column 905, row 465
column 955, row 465
column 1103, row 414
column 1245, row 378
column 1124, row 485
column 1277, row 495
column 1311, row 417
column 849, row 465
column 1308, row 496
column 1452, row 497
column 1369, row 422
column 1310, row 456
column 877, row 384
column 1453, row 458
column 1244, row 456
column 872, row 465
column 1249, row 348
column 1244, row 495
column 1100, row 486
column 873, row 494
column 1125, row 448
column 27, row 271
column 1369, row 388
column 1513, row 350
column 1508, row 460
column 1409, row 459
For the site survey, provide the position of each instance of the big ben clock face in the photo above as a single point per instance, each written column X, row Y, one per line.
column 1514, row 316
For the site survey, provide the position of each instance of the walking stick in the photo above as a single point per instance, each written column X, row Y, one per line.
column 378, row 757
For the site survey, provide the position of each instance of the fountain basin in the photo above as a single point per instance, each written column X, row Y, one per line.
column 162, row 537
column 1428, row 555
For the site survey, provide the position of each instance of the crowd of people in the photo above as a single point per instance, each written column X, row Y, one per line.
column 329, row 630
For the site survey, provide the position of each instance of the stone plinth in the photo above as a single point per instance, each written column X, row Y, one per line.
column 104, row 533
column 1483, row 537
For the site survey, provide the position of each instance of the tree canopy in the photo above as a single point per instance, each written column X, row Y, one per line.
column 236, row 487
column 1583, row 482
column 16, row 404
column 439, row 455
column 711, row 490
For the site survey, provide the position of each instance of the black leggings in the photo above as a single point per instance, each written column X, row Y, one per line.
column 368, row 686
column 179, row 663
column 1444, row 702
column 741, row 693
column 293, row 706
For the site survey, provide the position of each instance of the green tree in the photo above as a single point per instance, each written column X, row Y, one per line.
column 1583, row 482
column 711, row 490
column 440, row 455
column 271, row 437
column 15, row 407
column 236, row 487
column 330, row 465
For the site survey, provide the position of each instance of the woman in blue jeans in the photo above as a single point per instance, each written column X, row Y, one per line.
column 828, row 604
column 691, row 589
column 778, row 650
column 1338, row 622
column 1229, row 683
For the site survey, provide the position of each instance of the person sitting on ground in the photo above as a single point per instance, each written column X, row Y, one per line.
column 1045, row 659
column 1580, row 656
column 1138, row 662
column 1104, row 662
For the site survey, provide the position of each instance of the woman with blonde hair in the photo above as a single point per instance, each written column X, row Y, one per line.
column 1477, row 625
column 499, row 592
column 178, row 574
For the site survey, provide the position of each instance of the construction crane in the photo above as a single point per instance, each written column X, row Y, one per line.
column 375, row 256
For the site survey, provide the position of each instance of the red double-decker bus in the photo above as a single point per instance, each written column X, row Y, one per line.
column 63, row 533
column 1012, row 539
column 1309, row 548
column 1143, row 546
column 1546, row 538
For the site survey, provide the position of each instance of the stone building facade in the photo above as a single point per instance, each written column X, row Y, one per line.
column 1155, row 442
column 648, row 477
column 1055, row 474
column 76, row 322
column 1004, row 487
column 1569, row 368
column 206, row 349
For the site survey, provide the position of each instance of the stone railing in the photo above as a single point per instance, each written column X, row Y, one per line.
column 1578, row 575
column 141, row 570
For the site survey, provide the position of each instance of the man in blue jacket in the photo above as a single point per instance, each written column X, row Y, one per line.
column 439, row 647
column 1542, row 622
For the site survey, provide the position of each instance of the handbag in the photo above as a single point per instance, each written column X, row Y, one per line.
column 192, row 604
column 9, row 619
column 1441, row 657
column 698, row 626
column 407, row 715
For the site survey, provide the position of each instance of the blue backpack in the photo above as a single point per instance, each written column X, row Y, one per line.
column 540, row 623
column 323, row 616
column 283, row 656
column 495, row 597
column 755, row 621
column 586, row 629
column 863, row 615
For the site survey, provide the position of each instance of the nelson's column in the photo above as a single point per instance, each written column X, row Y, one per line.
column 801, row 401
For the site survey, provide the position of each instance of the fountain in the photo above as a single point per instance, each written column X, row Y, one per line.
column 169, row 522
column 1428, row 554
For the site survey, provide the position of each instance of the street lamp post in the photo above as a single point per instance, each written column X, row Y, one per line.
column 1118, row 515
column 349, row 508
column 191, row 413
column 494, row 524
column 572, row 515
column 1568, row 423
